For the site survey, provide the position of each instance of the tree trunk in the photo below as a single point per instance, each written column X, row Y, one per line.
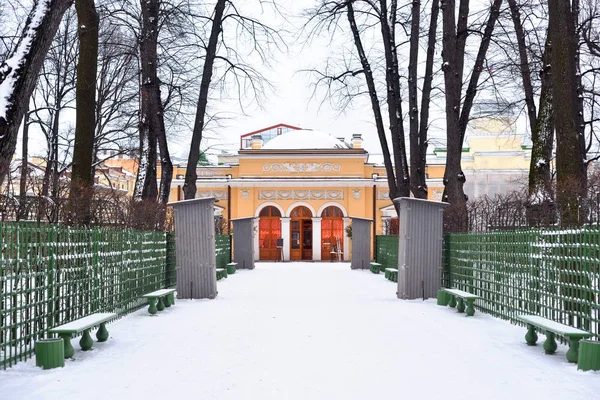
column 418, row 158
column 24, row 166
column 523, row 63
column 541, row 206
column 189, row 186
column 418, row 186
column 570, row 168
column 81, row 178
column 145, row 187
column 455, row 217
column 387, row 159
column 18, row 74
column 394, row 101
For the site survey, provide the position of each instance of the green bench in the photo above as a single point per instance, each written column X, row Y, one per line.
column 552, row 328
column 221, row 273
column 66, row 331
column 375, row 267
column 231, row 268
column 462, row 298
column 159, row 299
column 391, row 274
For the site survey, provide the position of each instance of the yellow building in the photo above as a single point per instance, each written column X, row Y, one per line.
column 303, row 185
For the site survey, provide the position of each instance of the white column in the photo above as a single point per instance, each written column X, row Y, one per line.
column 346, row 240
column 256, row 234
column 285, row 234
column 316, row 238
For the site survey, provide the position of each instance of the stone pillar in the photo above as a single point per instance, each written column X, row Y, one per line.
column 346, row 240
column 316, row 238
column 285, row 234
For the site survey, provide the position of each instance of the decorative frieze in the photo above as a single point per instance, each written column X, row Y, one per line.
column 300, row 194
column 301, row 167
column 356, row 193
column 217, row 194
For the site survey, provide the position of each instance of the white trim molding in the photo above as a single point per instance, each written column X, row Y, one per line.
column 329, row 204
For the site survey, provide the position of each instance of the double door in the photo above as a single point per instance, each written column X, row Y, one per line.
column 301, row 239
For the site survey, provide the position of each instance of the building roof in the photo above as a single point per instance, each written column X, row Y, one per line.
column 304, row 139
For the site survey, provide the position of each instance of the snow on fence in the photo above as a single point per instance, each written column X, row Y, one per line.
column 551, row 273
column 51, row 274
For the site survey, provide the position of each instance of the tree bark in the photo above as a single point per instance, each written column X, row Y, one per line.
column 394, row 101
column 24, row 165
column 21, row 74
column 418, row 153
column 145, row 187
column 82, row 180
column 189, row 186
column 541, row 197
column 570, row 168
column 418, row 185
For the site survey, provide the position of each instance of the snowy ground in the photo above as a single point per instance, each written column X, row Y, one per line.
column 307, row 331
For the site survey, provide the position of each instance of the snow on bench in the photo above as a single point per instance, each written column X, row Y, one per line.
column 460, row 305
column 157, row 296
column 84, row 325
column 552, row 328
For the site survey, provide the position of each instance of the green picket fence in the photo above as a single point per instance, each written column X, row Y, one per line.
column 223, row 250
column 554, row 273
column 386, row 252
column 50, row 275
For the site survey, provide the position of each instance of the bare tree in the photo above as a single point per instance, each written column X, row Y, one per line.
column 18, row 73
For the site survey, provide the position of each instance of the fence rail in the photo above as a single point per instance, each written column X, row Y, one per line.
column 51, row 274
column 551, row 273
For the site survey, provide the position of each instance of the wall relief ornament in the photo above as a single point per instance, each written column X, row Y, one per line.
column 217, row 194
column 383, row 195
column 301, row 167
column 244, row 193
column 356, row 193
column 297, row 194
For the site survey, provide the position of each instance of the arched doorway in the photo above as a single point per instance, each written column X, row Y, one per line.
column 332, row 232
column 301, row 234
column 269, row 229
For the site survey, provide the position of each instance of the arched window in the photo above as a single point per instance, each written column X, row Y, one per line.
column 332, row 211
column 301, row 212
column 270, row 211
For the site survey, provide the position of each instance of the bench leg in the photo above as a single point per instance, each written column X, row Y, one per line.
column 160, row 306
column 452, row 302
column 460, row 307
column 102, row 334
column 470, row 308
column 69, row 350
column 531, row 337
column 172, row 296
column 550, row 344
column 573, row 353
column 152, row 308
column 168, row 301
column 86, row 341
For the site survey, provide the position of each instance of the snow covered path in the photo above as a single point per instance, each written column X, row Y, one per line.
column 307, row 331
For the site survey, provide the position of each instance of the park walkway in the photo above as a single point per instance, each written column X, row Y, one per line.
column 307, row 331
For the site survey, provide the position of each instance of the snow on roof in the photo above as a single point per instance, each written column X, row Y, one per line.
column 304, row 139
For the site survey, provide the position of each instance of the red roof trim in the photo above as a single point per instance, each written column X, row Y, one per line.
column 266, row 129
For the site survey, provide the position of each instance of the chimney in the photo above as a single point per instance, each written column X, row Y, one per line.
column 357, row 141
column 257, row 142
